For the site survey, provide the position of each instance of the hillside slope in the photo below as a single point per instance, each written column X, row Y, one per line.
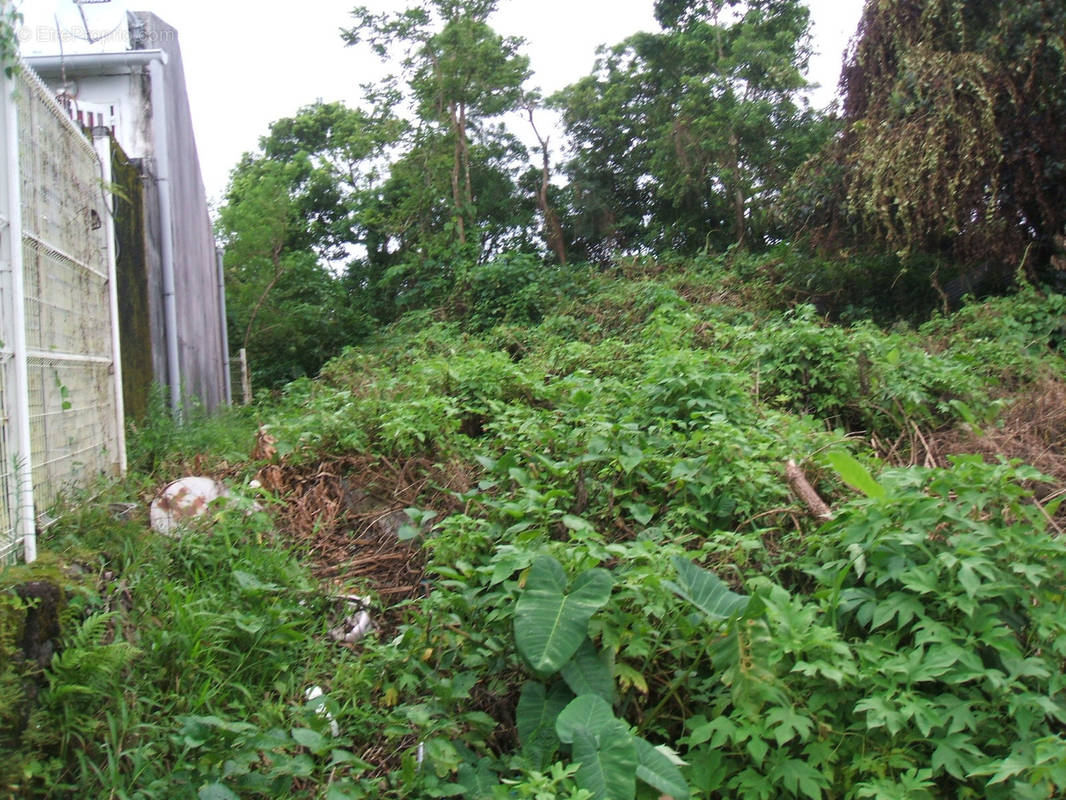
column 570, row 513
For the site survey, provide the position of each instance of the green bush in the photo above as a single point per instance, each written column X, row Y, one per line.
column 517, row 288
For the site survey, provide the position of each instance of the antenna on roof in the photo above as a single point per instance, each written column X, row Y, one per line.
column 90, row 21
column 138, row 32
column 88, row 30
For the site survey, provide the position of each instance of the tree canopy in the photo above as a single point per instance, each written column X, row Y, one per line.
column 693, row 138
column 681, row 139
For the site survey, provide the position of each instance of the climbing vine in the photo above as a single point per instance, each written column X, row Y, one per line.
column 949, row 145
column 10, row 19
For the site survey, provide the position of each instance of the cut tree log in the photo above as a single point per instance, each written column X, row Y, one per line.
column 805, row 492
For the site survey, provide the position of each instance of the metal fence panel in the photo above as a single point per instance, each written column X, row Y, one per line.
column 9, row 540
column 74, row 411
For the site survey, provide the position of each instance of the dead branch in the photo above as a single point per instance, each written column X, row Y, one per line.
column 803, row 489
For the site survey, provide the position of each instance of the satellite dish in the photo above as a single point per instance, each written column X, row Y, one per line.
column 91, row 25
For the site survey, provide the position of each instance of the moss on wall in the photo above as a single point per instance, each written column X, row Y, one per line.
column 135, row 332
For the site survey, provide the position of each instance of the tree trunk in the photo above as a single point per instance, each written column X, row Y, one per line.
column 465, row 145
column 457, row 160
column 276, row 258
column 803, row 489
column 553, row 231
column 739, row 201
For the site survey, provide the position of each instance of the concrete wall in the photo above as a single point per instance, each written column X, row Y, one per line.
column 195, row 271
column 137, row 265
column 153, row 256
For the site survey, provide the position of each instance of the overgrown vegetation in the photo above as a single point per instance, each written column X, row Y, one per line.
column 606, row 587
column 645, row 497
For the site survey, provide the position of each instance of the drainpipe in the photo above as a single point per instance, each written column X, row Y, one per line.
column 227, row 392
column 25, row 515
column 166, row 213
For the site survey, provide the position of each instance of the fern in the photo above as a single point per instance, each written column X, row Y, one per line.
column 88, row 660
column 83, row 680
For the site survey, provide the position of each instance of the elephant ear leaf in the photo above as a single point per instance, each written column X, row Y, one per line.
column 589, row 714
column 551, row 623
column 589, row 672
column 606, row 764
column 538, row 708
column 706, row 591
column 657, row 770
column 603, row 747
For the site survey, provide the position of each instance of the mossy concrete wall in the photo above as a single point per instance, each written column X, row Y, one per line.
column 133, row 270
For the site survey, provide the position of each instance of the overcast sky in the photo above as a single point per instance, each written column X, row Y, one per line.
column 248, row 64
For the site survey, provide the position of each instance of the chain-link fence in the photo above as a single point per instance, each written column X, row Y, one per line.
column 59, row 367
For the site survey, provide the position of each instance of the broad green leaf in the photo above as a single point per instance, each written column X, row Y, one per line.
column 630, row 458
column 312, row 740
column 801, row 779
column 706, row 591
column 577, row 524
column 251, row 583
column 1014, row 764
column 535, row 716
column 969, row 580
column 589, row 673
column 854, row 474
column 229, row 726
column 657, row 770
column 602, row 745
column 956, row 755
column 443, row 756
column 217, row 791
column 606, row 763
column 346, row 757
column 478, row 781
column 550, row 623
column 641, row 512
column 757, row 748
column 588, row 713
column 787, row 724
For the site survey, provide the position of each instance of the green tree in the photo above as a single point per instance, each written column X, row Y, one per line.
column 460, row 77
column 682, row 138
column 334, row 159
column 281, row 223
column 257, row 223
column 952, row 145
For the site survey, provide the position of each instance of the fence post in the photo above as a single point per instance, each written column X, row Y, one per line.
column 246, row 378
column 19, row 410
column 227, row 378
column 102, row 143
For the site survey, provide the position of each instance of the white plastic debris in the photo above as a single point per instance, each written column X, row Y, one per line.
column 182, row 501
column 312, row 694
column 353, row 627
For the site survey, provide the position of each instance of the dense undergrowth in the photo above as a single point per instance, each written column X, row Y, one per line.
column 625, row 599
